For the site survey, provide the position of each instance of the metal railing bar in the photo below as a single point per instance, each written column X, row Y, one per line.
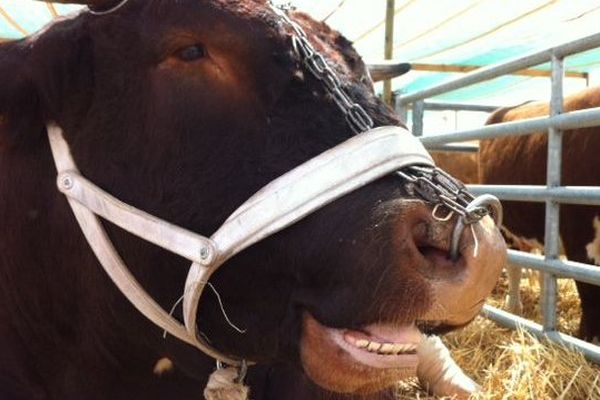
column 438, row 106
column 465, row 148
column 493, row 71
column 590, row 351
column 553, row 194
column 389, row 46
column 417, row 118
column 580, row 195
column 575, row 119
column 564, row 269
column 461, row 68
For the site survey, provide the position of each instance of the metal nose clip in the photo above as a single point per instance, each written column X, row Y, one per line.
column 477, row 209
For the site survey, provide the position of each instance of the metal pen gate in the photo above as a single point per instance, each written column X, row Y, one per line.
column 553, row 194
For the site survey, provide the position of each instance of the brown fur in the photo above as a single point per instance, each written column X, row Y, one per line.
column 463, row 166
column 189, row 139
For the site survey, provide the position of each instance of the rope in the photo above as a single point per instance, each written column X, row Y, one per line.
column 224, row 384
column 242, row 331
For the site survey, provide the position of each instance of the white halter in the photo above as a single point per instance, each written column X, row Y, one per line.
column 111, row 10
column 289, row 198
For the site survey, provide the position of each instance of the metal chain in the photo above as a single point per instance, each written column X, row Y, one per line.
column 357, row 117
column 437, row 186
column 430, row 183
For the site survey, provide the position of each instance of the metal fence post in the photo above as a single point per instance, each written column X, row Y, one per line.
column 400, row 108
column 418, row 110
column 552, row 235
column 389, row 46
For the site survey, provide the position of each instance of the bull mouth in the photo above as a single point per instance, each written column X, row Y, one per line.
column 363, row 360
column 372, row 358
column 380, row 346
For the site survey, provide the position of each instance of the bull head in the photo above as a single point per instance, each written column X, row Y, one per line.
column 185, row 114
column 380, row 71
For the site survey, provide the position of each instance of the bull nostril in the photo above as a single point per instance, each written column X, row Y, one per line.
column 430, row 238
column 430, row 241
column 420, row 232
column 432, row 247
column 437, row 257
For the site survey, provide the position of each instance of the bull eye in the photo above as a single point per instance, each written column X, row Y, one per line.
column 191, row 53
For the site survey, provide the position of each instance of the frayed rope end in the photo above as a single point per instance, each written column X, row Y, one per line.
column 223, row 384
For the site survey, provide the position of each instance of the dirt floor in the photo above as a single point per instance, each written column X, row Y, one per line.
column 515, row 365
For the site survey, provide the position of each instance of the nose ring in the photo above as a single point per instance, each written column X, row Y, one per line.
column 477, row 209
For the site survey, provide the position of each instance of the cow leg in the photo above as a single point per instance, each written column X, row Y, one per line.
column 581, row 235
column 513, row 301
column 589, row 328
column 542, row 291
column 440, row 374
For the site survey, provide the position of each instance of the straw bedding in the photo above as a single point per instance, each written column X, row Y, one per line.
column 515, row 365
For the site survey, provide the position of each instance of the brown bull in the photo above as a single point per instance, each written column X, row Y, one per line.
column 463, row 166
column 522, row 161
column 184, row 109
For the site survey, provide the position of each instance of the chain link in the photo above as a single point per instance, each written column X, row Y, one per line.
column 358, row 119
column 436, row 186
column 430, row 183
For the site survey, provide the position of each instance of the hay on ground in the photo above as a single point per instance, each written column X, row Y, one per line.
column 514, row 364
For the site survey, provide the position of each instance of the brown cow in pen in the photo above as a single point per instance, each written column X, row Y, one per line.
column 522, row 161
column 185, row 109
column 462, row 165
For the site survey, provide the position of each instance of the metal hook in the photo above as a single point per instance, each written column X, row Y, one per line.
column 242, row 370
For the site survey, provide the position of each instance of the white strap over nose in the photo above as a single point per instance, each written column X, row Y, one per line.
column 351, row 165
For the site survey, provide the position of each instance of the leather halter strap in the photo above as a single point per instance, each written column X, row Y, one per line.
column 286, row 200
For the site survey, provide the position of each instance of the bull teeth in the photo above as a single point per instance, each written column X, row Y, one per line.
column 384, row 348
column 407, row 348
column 398, row 348
column 387, row 348
column 374, row 346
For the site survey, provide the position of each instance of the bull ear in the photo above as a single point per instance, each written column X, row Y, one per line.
column 43, row 78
